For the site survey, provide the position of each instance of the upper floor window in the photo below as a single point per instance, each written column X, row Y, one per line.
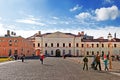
column 97, row 45
column 10, row 40
column 51, row 44
column 92, row 45
column 102, row 45
column 57, row 44
column 63, row 44
column 87, row 45
column 69, row 44
column 15, row 40
column 82, row 45
column 115, row 45
column 77, row 45
column 38, row 44
column 45, row 44
column 33, row 44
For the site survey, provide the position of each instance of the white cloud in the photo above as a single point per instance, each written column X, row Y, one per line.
column 83, row 15
column 77, row 7
column 31, row 20
column 55, row 18
column 110, row 13
column 100, row 32
column 0, row 18
column 2, row 29
column 108, row 1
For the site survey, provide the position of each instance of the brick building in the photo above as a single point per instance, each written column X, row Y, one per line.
column 12, row 44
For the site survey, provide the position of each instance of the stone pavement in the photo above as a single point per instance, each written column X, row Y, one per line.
column 52, row 69
column 115, row 64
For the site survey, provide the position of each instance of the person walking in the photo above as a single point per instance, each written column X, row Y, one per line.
column 85, row 60
column 98, row 61
column 22, row 57
column 105, row 63
column 41, row 58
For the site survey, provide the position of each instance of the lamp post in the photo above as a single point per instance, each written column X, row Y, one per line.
column 110, row 51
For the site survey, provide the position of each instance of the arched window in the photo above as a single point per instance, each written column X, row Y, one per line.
column 38, row 44
column 97, row 45
column 63, row 44
column 51, row 44
column 69, row 44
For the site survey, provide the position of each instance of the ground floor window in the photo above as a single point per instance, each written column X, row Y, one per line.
column 77, row 52
column 52, row 52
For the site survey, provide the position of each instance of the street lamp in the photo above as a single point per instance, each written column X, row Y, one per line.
column 110, row 50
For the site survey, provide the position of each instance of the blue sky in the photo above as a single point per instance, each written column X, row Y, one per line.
column 94, row 17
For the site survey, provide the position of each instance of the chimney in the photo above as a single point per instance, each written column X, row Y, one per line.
column 82, row 33
column 39, row 32
column 115, row 35
column 79, row 33
column 8, row 32
column 12, row 33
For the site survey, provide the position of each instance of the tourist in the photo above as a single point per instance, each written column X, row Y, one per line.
column 85, row 60
column 106, row 63
column 22, row 57
column 98, row 61
column 41, row 58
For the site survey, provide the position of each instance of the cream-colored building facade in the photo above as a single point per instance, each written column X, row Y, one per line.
column 59, row 44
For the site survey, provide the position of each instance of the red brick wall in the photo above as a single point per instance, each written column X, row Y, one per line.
column 21, row 45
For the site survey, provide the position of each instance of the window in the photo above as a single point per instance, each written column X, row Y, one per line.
column 16, row 40
column 63, row 52
column 77, row 45
column 102, row 45
column 87, row 52
column 92, row 52
column 51, row 52
column 92, row 45
column 69, row 44
column 87, row 45
column 45, row 44
column 82, row 45
column 115, row 45
column 70, row 52
column 10, row 42
column 63, row 44
column 57, row 44
column 77, row 52
column 51, row 44
column 38, row 44
column 45, row 52
column 15, row 44
column 97, row 45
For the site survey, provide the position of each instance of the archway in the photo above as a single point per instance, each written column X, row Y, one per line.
column 58, row 53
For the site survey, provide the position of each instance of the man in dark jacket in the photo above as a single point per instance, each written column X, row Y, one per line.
column 98, row 61
column 85, row 60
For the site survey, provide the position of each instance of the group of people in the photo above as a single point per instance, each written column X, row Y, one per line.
column 16, row 57
column 96, row 62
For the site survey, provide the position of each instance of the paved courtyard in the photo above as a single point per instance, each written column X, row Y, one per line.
column 52, row 69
